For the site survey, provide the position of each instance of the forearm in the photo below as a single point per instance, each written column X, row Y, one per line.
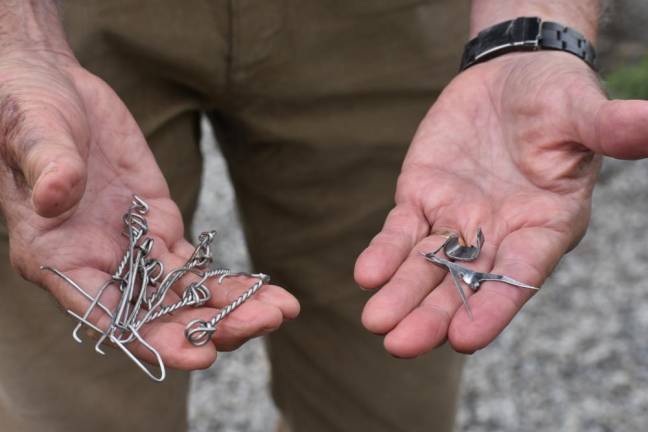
column 581, row 15
column 31, row 25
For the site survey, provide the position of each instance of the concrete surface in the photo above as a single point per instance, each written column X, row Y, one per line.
column 575, row 359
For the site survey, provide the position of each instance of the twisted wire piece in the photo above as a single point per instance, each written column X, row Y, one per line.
column 194, row 295
column 202, row 256
column 199, row 332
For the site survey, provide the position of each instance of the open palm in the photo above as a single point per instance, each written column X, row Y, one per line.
column 512, row 147
column 73, row 158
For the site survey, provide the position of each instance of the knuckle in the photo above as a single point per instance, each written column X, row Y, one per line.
column 12, row 125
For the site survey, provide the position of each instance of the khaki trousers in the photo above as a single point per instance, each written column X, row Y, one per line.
column 314, row 103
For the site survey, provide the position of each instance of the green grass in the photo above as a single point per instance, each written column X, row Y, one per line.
column 629, row 82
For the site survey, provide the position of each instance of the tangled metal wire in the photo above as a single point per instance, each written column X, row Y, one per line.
column 143, row 287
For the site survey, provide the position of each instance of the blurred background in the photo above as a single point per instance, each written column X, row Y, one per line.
column 576, row 357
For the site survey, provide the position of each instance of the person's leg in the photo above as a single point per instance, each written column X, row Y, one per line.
column 326, row 97
column 48, row 382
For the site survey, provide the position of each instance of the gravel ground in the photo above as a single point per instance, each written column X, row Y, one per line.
column 575, row 359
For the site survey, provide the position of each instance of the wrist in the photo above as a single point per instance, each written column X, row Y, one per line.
column 580, row 15
column 33, row 27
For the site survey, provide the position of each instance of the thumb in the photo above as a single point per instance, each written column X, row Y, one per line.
column 616, row 128
column 60, row 178
column 49, row 160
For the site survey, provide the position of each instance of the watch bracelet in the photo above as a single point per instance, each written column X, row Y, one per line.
column 526, row 34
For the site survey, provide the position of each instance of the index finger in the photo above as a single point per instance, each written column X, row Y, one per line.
column 404, row 227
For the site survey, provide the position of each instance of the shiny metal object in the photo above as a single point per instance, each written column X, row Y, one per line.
column 471, row 278
column 455, row 251
column 143, row 287
column 199, row 332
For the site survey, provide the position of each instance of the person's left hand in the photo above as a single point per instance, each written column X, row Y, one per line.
column 511, row 146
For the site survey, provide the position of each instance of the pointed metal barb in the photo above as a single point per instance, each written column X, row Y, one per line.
column 462, row 294
column 475, row 279
column 472, row 278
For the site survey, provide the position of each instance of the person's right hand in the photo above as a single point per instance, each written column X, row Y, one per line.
column 71, row 158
